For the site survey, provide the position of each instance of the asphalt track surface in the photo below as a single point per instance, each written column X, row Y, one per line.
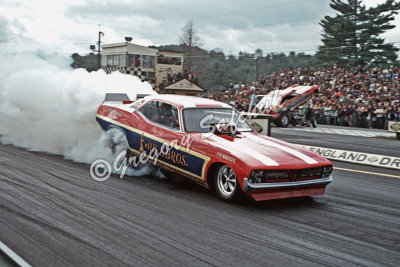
column 52, row 213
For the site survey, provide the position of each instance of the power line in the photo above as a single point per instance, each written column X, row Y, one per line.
column 250, row 10
column 155, row 36
column 270, row 24
column 241, row 11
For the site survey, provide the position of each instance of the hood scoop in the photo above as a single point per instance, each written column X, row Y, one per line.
column 227, row 131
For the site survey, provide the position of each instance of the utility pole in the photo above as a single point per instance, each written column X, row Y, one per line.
column 98, row 49
column 257, row 69
column 255, row 56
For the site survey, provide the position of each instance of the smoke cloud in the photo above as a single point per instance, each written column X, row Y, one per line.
column 47, row 106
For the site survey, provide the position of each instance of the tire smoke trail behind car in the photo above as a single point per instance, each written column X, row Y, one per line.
column 51, row 108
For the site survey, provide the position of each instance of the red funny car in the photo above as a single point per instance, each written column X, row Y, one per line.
column 210, row 143
column 280, row 103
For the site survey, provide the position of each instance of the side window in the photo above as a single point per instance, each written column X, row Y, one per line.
column 287, row 98
column 161, row 113
column 150, row 111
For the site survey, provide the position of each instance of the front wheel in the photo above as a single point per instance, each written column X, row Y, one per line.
column 226, row 183
column 282, row 121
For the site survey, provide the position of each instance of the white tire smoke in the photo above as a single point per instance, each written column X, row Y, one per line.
column 45, row 107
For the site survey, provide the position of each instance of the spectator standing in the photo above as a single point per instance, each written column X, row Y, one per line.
column 316, row 109
column 348, row 114
column 309, row 114
column 327, row 114
column 169, row 74
column 390, row 116
column 253, row 101
column 334, row 115
column 340, row 115
column 361, row 116
column 364, row 116
column 397, row 114
column 380, row 117
column 354, row 115
column 370, row 115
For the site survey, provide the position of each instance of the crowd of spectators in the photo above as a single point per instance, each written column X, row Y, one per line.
column 357, row 97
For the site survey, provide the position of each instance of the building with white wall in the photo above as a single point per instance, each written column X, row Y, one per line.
column 149, row 64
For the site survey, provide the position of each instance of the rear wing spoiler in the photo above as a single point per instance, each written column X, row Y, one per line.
column 117, row 97
column 122, row 97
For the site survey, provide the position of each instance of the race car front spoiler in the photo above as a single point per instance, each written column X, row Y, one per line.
column 251, row 187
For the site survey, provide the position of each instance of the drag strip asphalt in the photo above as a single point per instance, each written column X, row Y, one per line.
column 53, row 213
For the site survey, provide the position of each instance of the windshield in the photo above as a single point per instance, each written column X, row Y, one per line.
column 200, row 119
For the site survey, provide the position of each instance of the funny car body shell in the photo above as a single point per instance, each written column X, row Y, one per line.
column 265, row 167
column 279, row 103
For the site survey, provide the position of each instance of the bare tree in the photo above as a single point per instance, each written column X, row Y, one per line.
column 190, row 39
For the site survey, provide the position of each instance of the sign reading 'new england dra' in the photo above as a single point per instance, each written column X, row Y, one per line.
column 357, row 157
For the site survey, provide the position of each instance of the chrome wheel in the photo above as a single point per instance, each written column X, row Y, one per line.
column 284, row 120
column 226, row 182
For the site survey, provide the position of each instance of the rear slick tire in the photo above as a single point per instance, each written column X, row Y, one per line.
column 120, row 144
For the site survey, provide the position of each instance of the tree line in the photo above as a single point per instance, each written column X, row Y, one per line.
column 353, row 37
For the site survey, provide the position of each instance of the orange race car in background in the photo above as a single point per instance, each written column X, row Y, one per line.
column 281, row 104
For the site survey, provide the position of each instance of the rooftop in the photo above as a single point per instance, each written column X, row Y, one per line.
column 187, row 101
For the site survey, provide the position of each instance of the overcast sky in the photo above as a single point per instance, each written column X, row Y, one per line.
column 68, row 26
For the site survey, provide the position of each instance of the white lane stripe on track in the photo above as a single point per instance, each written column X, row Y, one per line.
column 289, row 150
column 13, row 256
column 367, row 172
column 251, row 152
column 345, row 132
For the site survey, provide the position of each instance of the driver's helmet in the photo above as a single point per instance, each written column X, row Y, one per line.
column 165, row 110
